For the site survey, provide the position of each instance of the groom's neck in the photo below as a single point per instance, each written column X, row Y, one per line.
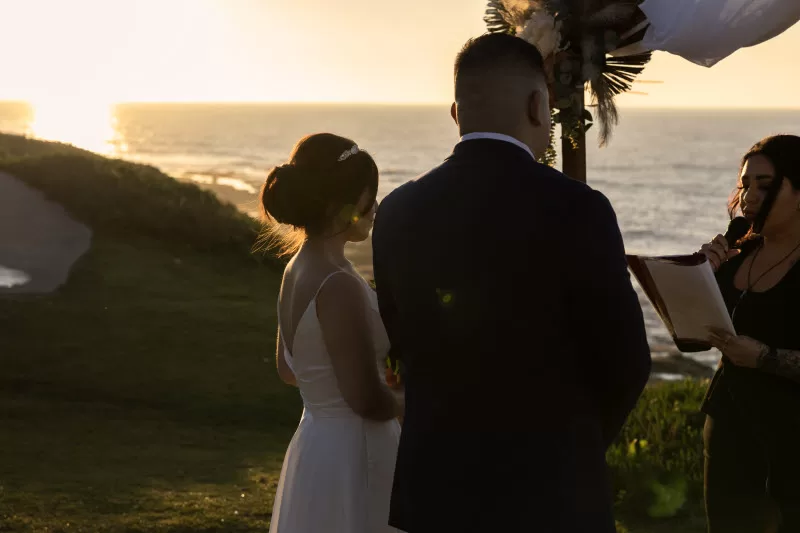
column 492, row 128
column 488, row 124
column 467, row 131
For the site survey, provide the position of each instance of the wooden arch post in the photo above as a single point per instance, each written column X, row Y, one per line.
column 573, row 161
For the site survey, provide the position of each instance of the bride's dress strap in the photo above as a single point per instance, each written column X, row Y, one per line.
column 324, row 281
column 314, row 299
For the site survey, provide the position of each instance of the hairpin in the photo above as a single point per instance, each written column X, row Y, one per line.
column 348, row 153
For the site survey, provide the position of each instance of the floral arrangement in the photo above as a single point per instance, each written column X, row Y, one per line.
column 543, row 31
column 583, row 42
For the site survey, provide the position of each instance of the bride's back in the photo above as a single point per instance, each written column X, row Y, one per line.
column 302, row 281
column 302, row 334
column 303, row 340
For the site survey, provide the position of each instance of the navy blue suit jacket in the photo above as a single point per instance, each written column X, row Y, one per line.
column 504, row 288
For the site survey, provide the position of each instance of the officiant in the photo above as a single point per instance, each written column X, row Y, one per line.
column 752, row 433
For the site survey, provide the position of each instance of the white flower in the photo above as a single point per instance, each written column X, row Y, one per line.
column 542, row 31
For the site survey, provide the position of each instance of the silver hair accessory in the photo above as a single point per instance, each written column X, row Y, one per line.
column 347, row 153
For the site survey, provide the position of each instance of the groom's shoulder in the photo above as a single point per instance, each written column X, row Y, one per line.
column 399, row 196
column 409, row 192
column 560, row 181
column 570, row 196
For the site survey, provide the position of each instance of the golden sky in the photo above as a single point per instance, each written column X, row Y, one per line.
column 103, row 51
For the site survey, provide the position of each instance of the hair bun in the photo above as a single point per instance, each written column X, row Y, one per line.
column 283, row 196
column 319, row 188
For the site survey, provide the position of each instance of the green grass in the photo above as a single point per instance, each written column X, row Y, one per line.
column 137, row 398
column 95, row 466
column 657, row 461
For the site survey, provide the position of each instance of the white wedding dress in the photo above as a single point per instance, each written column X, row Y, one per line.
column 338, row 471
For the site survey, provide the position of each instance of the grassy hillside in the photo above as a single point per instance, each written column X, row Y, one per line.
column 137, row 398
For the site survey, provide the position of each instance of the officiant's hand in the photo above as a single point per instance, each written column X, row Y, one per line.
column 718, row 251
column 740, row 350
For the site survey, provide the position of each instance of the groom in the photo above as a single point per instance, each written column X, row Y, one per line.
column 504, row 289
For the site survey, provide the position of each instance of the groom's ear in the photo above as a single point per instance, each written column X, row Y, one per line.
column 538, row 108
column 454, row 113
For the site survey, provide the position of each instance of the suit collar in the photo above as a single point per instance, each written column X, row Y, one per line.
column 492, row 149
column 498, row 137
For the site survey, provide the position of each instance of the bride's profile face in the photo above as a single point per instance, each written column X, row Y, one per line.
column 362, row 224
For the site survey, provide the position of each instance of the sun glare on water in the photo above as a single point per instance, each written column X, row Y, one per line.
column 85, row 124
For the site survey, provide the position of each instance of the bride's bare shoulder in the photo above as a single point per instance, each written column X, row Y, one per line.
column 341, row 288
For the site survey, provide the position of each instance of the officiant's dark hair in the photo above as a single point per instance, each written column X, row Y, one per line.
column 783, row 151
column 322, row 182
column 493, row 51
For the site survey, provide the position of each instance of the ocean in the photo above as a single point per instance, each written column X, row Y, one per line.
column 668, row 173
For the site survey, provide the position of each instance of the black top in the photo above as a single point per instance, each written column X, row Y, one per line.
column 504, row 288
column 772, row 317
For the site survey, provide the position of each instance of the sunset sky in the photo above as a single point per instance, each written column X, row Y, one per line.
column 104, row 51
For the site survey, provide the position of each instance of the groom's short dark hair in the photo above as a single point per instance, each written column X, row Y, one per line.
column 490, row 53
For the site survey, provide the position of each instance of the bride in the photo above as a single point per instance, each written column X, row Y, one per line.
column 338, row 470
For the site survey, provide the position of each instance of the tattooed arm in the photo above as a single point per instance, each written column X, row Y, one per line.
column 749, row 353
column 784, row 363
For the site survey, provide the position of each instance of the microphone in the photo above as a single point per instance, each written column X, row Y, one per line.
column 737, row 229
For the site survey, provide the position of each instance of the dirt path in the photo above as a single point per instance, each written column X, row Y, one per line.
column 39, row 241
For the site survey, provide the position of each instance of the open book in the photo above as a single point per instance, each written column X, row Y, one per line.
column 685, row 295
